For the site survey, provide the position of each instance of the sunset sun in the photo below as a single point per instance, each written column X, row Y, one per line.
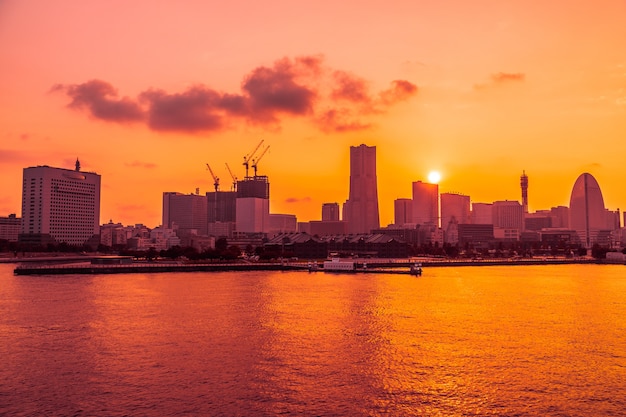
column 434, row 177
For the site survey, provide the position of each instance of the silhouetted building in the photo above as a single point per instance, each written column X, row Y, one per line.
column 587, row 213
column 282, row 223
column 455, row 209
column 330, row 212
column 477, row 235
column 252, row 210
column 402, row 211
column 221, row 206
column 323, row 228
column 185, row 212
column 60, row 205
column 360, row 211
column 10, row 227
column 508, row 215
column 524, row 185
column 425, row 203
column 537, row 221
column 482, row 213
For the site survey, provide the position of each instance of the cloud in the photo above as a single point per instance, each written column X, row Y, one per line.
column 302, row 87
column 504, row 77
column 101, row 100
column 138, row 164
column 298, row 200
column 501, row 79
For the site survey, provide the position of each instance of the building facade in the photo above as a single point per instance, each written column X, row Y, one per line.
column 10, row 228
column 60, row 206
column 587, row 212
column 425, row 203
column 330, row 212
column 402, row 211
column 185, row 212
column 360, row 211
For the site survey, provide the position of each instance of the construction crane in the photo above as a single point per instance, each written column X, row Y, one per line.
column 216, row 180
column 233, row 177
column 246, row 159
column 257, row 160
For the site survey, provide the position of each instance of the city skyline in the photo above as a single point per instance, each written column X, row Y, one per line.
column 146, row 95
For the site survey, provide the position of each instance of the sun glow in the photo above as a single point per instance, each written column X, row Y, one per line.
column 434, row 177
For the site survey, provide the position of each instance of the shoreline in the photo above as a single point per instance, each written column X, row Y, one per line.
column 82, row 265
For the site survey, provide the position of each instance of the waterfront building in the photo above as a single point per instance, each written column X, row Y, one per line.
column 282, row 223
column 402, row 211
column 425, row 203
column 560, row 217
column 113, row 234
column 185, row 212
column 455, row 209
column 477, row 235
column 10, row 228
column 60, row 206
column 221, row 206
column 482, row 213
column 252, row 209
column 360, row 211
column 508, row 215
column 323, row 228
column 541, row 219
column 330, row 212
column 587, row 212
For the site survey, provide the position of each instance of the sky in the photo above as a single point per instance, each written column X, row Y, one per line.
column 147, row 93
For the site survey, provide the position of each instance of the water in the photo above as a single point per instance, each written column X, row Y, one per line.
column 506, row 341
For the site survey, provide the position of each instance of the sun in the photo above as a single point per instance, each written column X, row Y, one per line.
column 434, row 177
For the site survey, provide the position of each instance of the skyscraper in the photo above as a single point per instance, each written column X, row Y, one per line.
column 60, row 205
column 455, row 210
column 425, row 203
column 252, row 211
column 360, row 211
column 586, row 210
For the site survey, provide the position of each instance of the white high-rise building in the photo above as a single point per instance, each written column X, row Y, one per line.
column 60, row 205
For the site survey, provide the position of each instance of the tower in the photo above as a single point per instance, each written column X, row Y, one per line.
column 360, row 211
column 60, row 205
column 330, row 212
column 524, row 184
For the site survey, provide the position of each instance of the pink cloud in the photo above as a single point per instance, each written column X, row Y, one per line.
column 299, row 87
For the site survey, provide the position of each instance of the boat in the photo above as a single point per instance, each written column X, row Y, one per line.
column 337, row 265
column 416, row 269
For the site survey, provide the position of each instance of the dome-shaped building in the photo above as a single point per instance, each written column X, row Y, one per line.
column 586, row 210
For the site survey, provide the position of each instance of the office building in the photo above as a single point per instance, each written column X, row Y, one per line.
column 508, row 215
column 330, row 212
column 360, row 211
column 482, row 213
column 60, row 206
column 221, row 206
column 10, row 228
column 252, row 207
column 587, row 212
column 402, row 211
column 455, row 210
column 425, row 203
column 185, row 212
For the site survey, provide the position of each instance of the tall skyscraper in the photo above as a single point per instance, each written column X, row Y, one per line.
column 425, row 203
column 586, row 209
column 524, row 185
column 455, row 210
column 330, row 212
column 185, row 212
column 360, row 211
column 60, row 205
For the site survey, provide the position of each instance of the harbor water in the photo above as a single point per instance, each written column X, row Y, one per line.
column 457, row 341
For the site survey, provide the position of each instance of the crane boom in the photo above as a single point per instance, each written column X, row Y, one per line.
column 216, row 181
column 233, row 177
column 258, row 159
column 246, row 159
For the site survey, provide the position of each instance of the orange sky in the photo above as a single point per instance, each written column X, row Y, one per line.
column 146, row 93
